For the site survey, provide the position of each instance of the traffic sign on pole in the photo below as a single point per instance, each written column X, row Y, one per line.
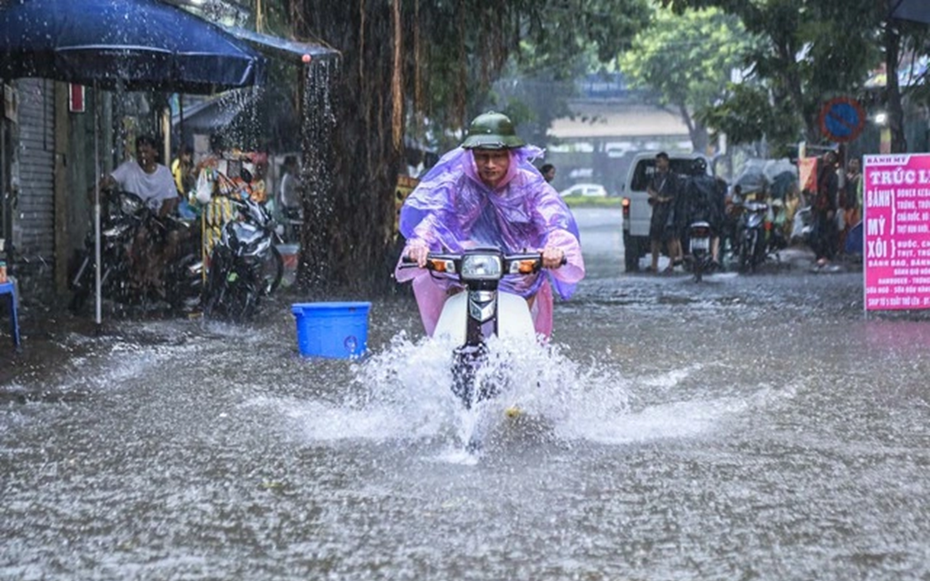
column 842, row 119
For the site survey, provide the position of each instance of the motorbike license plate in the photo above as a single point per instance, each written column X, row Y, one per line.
column 700, row 244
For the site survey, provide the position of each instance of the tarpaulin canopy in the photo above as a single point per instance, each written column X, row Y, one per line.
column 917, row 10
column 281, row 47
column 128, row 44
column 210, row 115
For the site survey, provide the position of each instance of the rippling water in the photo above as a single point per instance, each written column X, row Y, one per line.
column 747, row 428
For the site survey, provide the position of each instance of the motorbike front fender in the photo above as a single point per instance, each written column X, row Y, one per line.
column 513, row 314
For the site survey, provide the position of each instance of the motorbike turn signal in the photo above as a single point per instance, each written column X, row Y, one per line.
column 526, row 266
column 439, row 265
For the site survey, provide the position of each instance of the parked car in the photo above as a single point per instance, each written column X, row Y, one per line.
column 587, row 190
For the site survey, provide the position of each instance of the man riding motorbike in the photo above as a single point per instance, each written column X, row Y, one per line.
column 705, row 201
column 487, row 193
column 156, row 243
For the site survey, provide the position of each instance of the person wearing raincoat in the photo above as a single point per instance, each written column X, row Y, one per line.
column 487, row 192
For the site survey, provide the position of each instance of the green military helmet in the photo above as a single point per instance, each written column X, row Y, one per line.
column 492, row 131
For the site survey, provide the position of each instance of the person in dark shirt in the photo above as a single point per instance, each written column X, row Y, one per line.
column 704, row 201
column 823, row 210
column 851, row 200
column 663, row 190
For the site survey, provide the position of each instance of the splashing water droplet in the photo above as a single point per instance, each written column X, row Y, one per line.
column 414, row 380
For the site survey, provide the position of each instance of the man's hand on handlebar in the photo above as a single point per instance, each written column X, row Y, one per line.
column 417, row 252
column 552, row 257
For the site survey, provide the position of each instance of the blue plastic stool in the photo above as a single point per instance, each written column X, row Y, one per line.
column 9, row 289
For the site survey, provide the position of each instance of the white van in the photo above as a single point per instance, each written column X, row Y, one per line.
column 636, row 209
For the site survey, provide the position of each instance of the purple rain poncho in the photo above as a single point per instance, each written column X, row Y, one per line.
column 452, row 209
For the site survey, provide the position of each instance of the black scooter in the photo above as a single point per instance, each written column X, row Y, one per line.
column 699, row 241
column 751, row 231
column 245, row 265
column 125, row 214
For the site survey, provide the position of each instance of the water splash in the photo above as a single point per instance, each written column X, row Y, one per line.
column 403, row 393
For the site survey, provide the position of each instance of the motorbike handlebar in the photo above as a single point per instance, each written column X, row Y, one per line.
column 407, row 262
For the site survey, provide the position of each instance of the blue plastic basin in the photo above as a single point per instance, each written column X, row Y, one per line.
column 332, row 330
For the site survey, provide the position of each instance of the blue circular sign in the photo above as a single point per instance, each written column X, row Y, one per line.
column 842, row 119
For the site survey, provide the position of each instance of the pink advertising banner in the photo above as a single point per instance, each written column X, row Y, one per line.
column 896, row 231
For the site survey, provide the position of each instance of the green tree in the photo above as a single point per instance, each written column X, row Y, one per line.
column 415, row 63
column 687, row 58
column 809, row 51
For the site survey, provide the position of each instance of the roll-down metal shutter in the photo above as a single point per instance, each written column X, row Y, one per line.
column 34, row 217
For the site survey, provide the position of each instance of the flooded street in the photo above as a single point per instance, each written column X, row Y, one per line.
column 748, row 427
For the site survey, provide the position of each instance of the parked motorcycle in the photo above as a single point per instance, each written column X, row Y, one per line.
column 752, row 233
column 802, row 225
column 245, row 264
column 699, row 240
column 778, row 239
column 123, row 216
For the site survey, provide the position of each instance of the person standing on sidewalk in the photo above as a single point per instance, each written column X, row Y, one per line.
column 824, row 209
column 288, row 199
column 663, row 189
column 851, row 200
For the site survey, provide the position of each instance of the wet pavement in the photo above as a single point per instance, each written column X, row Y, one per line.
column 747, row 427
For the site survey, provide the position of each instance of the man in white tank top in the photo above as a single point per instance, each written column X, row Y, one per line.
column 156, row 244
column 146, row 178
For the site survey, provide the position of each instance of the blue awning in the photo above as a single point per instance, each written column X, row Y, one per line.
column 130, row 44
column 917, row 10
column 281, row 47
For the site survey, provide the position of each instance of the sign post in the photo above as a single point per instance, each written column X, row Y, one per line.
column 896, row 231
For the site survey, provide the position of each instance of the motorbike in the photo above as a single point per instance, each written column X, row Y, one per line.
column 777, row 239
column 699, row 240
column 245, row 264
column 802, row 225
column 470, row 318
column 123, row 216
column 752, row 232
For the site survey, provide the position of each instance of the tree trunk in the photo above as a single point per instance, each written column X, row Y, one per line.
column 794, row 89
column 350, row 170
column 700, row 139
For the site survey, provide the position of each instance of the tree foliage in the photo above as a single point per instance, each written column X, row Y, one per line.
column 450, row 53
column 687, row 58
column 471, row 44
column 809, row 51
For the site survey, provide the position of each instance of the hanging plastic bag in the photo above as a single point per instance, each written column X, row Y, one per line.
column 204, row 189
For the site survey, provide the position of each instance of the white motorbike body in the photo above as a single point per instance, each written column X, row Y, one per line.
column 514, row 320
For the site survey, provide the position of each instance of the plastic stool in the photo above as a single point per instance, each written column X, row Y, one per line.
column 9, row 289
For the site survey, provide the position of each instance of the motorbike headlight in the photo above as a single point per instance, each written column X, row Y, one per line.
column 115, row 231
column 130, row 205
column 257, row 247
column 481, row 267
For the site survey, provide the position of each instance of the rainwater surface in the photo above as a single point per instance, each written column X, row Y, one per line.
column 748, row 427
